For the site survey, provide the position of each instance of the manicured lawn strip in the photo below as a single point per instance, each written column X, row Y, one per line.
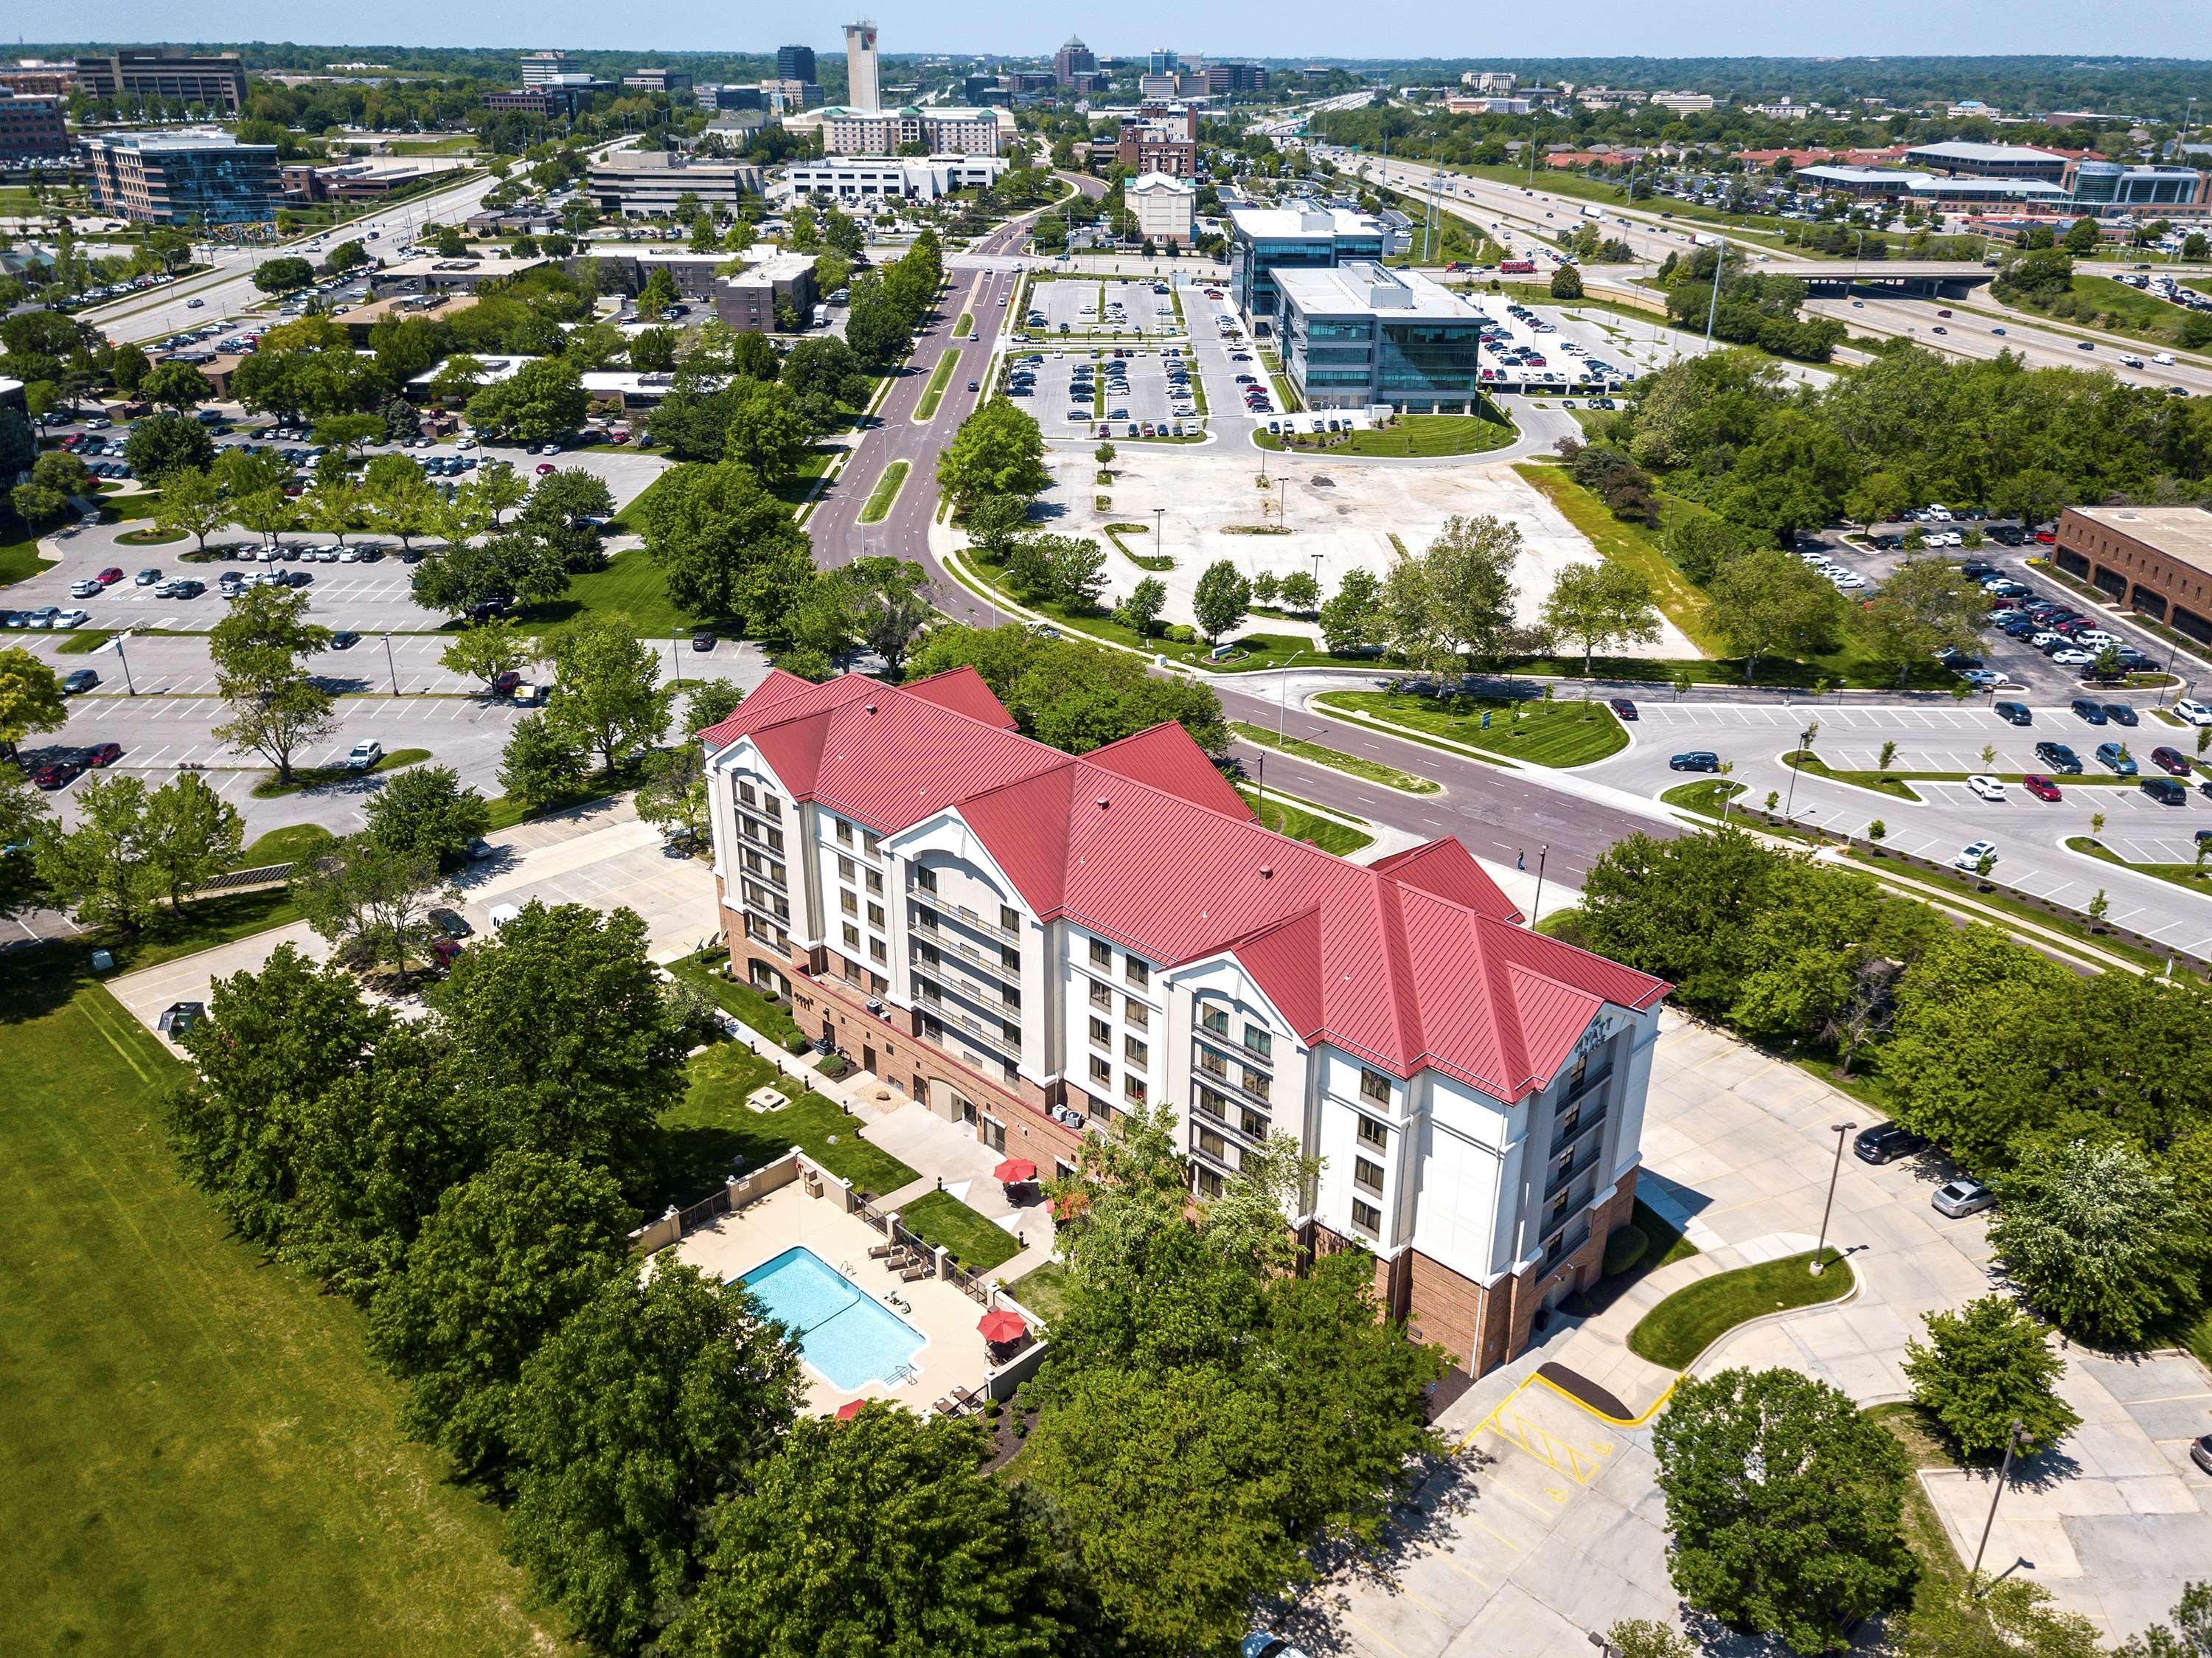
column 1923, row 1528
column 287, row 845
column 1151, row 561
column 714, row 1125
column 940, row 1218
column 1881, row 783
column 1705, row 797
column 2180, row 875
column 120, row 509
column 1558, row 732
column 1286, row 816
column 1414, row 434
column 1958, row 888
column 84, row 641
column 200, row 926
column 1336, row 760
column 740, row 1000
column 932, row 393
column 20, row 560
column 631, row 583
column 322, row 777
column 507, row 810
column 200, row 1458
column 1629, row 545
column 878, row 503
column 1043, row 1290
column 1695, row 1317
column 966, row 327
column 622, row 520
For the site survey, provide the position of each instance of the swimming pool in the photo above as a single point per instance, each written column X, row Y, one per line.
column 851, row 1338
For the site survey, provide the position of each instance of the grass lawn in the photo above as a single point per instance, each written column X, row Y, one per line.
column 1881, row 782
column 200, row 1457
column 877, row 506
column 461, row 144
column 1151, row 561
column 1703, row 797
column 2195, row 878
column 1925, row 1448
column 1286, row 815
column 1679, row 600
column 940, row 1218
column 631, row 583
column 200, row 926
column 286, row 845
column 940, row 377
column 966, row 326
column 319, row 777
column 1043, row 1290
column 1695, row 1317
column 84, row 641
column 120, row 509
column 1373, row 770
column 148, row 538
column 20, row 560
column 699, row 1138
column 1413, row 435
column 507, row 810
column 2101, row 302
column 738, row 999
column 1557, row 733
column 1664, row 1244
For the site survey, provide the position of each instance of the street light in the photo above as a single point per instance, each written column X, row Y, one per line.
column 2004, row 1473
column 1536, row 909
column 1840, row 1130
column 392, row 664
column 1804, row 743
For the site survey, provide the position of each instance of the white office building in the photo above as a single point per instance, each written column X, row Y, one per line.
column 947, row 130
column 897, row 178
column 1163, row 208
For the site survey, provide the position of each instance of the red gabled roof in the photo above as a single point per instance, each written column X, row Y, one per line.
column 962, row 690
column 1415, row 962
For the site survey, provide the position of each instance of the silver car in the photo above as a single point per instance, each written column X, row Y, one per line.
column 1961, row 1197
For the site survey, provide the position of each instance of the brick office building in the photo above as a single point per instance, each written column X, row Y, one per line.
column 2157, row 560
column 1028, row 942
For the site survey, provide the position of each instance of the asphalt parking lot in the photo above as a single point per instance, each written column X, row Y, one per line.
column 1110, row 306
column 1216, row 354
column 1063, row 412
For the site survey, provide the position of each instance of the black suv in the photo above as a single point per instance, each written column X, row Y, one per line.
column 1885, row 1142
column 2059, row 757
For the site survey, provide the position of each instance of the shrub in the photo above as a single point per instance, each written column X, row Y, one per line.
column 1180, row 634
column 1625, row 1248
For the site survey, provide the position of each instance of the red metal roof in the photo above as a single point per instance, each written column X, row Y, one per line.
column 1415, row 962
column 963, row 690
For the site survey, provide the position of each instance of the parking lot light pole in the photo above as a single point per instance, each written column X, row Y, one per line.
column 392, row 664
column 2004, row 1473
column 1804, row 745
column 1536, row 909
column 1841, row 1129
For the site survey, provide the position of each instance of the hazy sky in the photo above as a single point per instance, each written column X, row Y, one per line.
column 1275, row 28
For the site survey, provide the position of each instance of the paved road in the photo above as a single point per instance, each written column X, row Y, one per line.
column 1970, row 332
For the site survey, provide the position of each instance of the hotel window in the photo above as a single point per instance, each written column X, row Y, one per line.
column 1135, row 1052
column 1205, row 1180
column 926, row 879
column 1009, row 919
column 1374, row 1085
column 875, row 914
column 1212, row 1104
column 1102, row 955
column 1213, row 1063
column 870, row 843
column 876, row 882
column 1216, row 1020
column 1102, row 1072
column 844, row 833
column 1140, row 974
column 1254, row 1124
column 1136, row 1012
column 1367, row 1218
column 1214, row 1145
column 1101, row 997
column 1372, row 1133
column 849, row 901
column 852, row 937
column 1102, row 1033
column 745, row 793
column 1255, row 1083
column 847, row 869
column 1135, row 1088
column 1261, row 1045
column 1367, row 1176
column 1010, row 960
column 877, row 950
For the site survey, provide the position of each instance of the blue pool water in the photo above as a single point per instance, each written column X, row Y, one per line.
column 848, row 1336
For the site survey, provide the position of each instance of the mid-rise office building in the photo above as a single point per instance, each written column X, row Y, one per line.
column 1161, row 61
column 2155, row 560
column 177, row 178
column 658, row 80
column 1263, row 239
column 795, row 63
column 1073, row 60
column 1222, row 79
column 170, row 74
column 901, row 178
column 765, row 298
column 792, row 97
column 1161, row 208
column 1161, row 140
column 726, row 97
column 637, row 184
column 564, row 96
column 1683, row 103
column 1490, row 80
column 1960, row 158
column 1363, row 336
column 32, row 126
column 988, row 927
column 31, row 78
column 863, row 80
column 940, row 129
column 539, row 67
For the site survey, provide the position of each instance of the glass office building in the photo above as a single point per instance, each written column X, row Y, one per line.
column 1364, row 336
column 185, row 177
column 1265, row 240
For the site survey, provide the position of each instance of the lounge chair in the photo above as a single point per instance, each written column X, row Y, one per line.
column 966, row 1399
column 913, row 1273
column 943, row 1407
column 877, row 1251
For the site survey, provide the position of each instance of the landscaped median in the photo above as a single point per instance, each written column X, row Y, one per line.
column 2195, row 876
column 1301, row 820
column 1336, row 760
column 939, row 379
column 1417, row 435
column 1695, row 1317
column 1537, row 732
column 323, row 777
column 877, row 506
column 1898, row 785
column 1150, row 561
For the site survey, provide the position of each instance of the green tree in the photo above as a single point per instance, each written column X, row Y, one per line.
column 176, row 386
column 766, row 431
column 542, row 400
column 333, row 507
column 398, row 500
column 674, row 795
column 507, row 1256
column 2099, row 1240
column 1143, row 607
column 163, row 444
column 1221, row 600
column 1961, row 1617
column 1566, row 283
column 1601, row 604
column 347, row 256
column 2080, row 236
column 102, row 871
column 24, row 816
column 1352, row 619
column 542, row 762
column 998, row 451
column 907, row 1547
column 491, row 648
column 1301, row 593
column 426, row 814
column 710, row 702
column 31, row 699
column 1645, row 1637
column 191, row 835
column 370, row 900
column 2190, row 1636
column 258, row 649
column 281, row 276
column 564, row 514
column 1984, row 1367
column 562, row 1037
column 890, row 606
column 1926, row 605
column 352, row 433
column 1785, row 1505
column 606, row 689
column 657, row 1398
column 191, row 504
column 1764, row 602
column 726, row 546
column 878, row 328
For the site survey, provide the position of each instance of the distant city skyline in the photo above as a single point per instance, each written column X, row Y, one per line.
column 1281, row 29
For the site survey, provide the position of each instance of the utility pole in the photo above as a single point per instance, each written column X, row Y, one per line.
column 1834, row 1174
column 2004, row 1473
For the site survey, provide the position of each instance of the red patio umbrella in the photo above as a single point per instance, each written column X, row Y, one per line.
column 1001, row 1327
column 1014, row 1172
column 850, row 1409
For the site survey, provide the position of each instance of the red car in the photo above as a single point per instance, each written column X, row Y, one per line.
column 2041, row 787
column 110, row 577
column 2170, row 759
column 57, row 774
column 504, row 686
column 544, row 467
column 100, row 754
column 1623, row 707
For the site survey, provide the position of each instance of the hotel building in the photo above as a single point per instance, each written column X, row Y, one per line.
column 1027, row 943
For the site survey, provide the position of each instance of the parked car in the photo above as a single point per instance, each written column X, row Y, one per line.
column 2115, row 757
column 57, row 774
column 2166, row 791
column 364, row 756
column 1986, row 788
column 2170, row 760
column 1971, row 854
column 82, row 681
column 344, row 639
column 1697, row 760
column 1886, row 1142
column 2121, row 714
column 2200, row 1452
column 2059, row 757
column 100, row 755
column 2194, row 712
column 1622, row 706
column 2041, row 787
column 2015, row 713
column 2090, row 710
column 1961, row 1197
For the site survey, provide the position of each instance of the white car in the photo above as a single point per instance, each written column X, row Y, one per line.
column 2073, row 658
column 72, row 618
column 1987, row 788
column 364, row 756
column 2194, row 712
column 1971, row 856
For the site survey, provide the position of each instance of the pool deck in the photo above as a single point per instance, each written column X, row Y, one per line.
column 954, row 1355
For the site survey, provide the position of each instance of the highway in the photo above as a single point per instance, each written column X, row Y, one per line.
column 1971, row 330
